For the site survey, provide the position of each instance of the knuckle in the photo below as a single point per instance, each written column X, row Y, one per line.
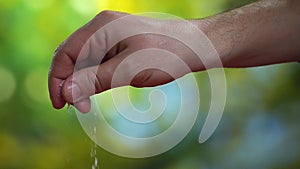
column 109, row 14
column 105, row 13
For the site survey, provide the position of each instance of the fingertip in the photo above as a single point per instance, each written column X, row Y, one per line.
column 58, row 105
column 84, row 106
column 57, row 102
column 55, row 93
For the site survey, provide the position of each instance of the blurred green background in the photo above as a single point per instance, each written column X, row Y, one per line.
column 259, row 129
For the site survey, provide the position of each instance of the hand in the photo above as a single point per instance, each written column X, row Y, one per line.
column 262, row 33
column 93, row 73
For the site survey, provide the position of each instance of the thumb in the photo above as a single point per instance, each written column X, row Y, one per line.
column 82, row 84
column 86, row 82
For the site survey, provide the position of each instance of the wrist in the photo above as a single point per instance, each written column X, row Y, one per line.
column 220, row 36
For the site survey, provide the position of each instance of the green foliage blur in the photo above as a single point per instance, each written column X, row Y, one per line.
column 259, row 129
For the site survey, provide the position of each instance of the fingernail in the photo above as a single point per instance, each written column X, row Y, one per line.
column 75, row 90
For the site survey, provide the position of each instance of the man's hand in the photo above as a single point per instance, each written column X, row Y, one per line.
column 262, row 33
column 74, row 67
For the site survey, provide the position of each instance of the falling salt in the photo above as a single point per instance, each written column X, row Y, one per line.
column 94, row 147
column 93, row 153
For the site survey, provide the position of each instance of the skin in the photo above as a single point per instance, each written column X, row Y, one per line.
column 262, row 33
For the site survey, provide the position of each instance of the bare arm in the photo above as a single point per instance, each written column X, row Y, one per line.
column 262, row 33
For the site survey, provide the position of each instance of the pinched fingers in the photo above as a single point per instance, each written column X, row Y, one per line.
column 65, row 57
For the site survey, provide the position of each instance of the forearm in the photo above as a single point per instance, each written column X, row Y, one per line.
column 265, row 32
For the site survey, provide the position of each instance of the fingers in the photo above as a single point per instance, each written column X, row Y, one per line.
column 86, row 82
column 55, row 93
column 127, row 68
column 67, row 54
column 61, row 67
column 78, row 87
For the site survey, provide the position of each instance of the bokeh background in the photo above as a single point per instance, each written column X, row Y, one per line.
column 260, row 126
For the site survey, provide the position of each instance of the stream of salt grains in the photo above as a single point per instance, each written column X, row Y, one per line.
column 93, row 153
column 94, row 150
